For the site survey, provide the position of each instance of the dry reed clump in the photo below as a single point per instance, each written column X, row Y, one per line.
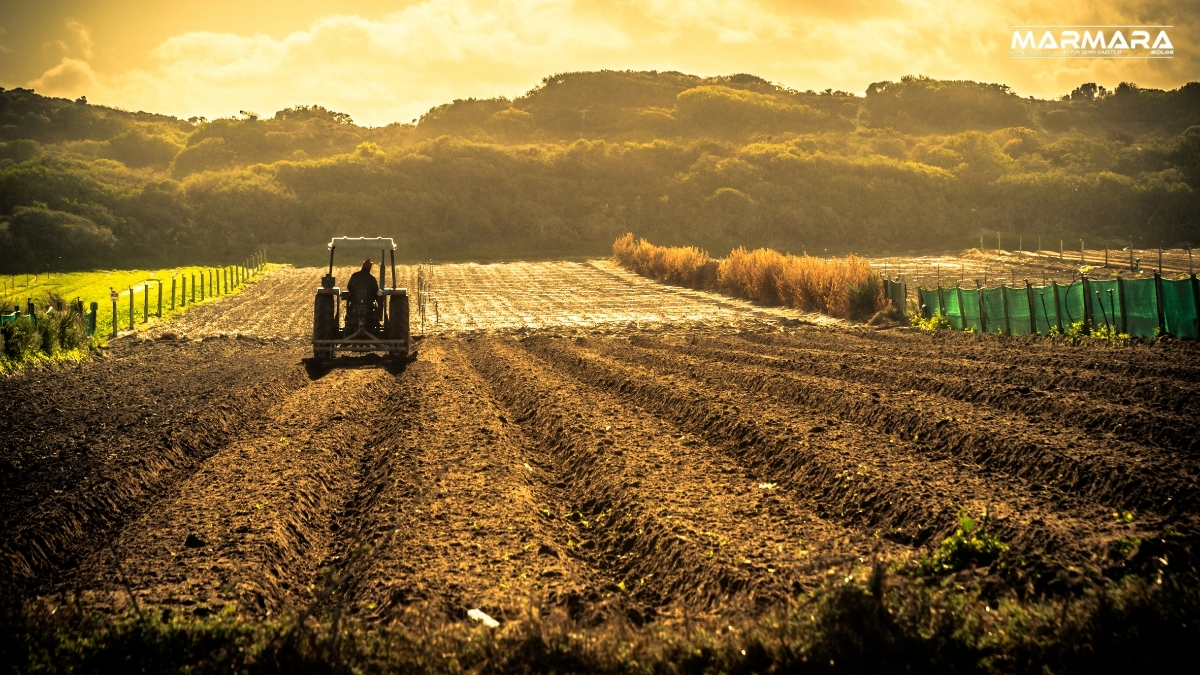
column 683, row 265
column 842, row 287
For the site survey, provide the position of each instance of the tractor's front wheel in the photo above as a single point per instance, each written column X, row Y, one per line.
column 323, row 327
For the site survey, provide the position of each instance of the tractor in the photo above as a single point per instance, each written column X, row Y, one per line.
column 370, row 321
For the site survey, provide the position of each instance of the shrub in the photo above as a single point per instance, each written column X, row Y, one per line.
column 685, row 266
column 846, row 288
column 21, row 339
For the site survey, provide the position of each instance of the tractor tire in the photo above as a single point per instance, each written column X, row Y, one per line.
column 323, row 327
column 398, row 329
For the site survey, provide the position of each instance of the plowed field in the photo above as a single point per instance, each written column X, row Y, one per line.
column 571, row 436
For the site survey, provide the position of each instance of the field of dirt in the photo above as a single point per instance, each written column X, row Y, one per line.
column 570, row 436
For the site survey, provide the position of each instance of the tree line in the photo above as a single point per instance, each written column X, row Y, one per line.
column 913, row 165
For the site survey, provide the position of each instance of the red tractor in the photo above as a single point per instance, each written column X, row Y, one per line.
column 375, row 316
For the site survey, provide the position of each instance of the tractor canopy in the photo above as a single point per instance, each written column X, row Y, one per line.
column 362, row 244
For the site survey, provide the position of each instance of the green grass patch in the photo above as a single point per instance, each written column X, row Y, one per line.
column 970, row 545
column 868, row 622
column 57, row 341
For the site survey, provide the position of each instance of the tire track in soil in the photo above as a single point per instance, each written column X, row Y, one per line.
column 1105, row 470
column 126, row 428
column 1082, row 396
column 683, row 527
column 260, row 509
column 848, row 472
column 481, row 538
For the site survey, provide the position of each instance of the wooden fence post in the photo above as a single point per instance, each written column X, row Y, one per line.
column 172, row 293
column 1158, row 298
column 160, row 285
column 1121, row 303
column 982, row 306
column 1087, row 306
column 131, row 308
column 962, row 311
column 1033, row 327
column 1004, row 304
column 146, row 302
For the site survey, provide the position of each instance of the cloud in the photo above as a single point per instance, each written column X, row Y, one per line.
column 70, row 78
column 398, row 66
column 83, row 37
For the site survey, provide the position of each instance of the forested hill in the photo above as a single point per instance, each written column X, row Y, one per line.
column 917, row 164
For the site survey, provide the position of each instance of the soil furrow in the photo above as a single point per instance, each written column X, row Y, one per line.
column 480, row 538
column 884, row 485
column 252, row 524
column 675, row 520
column 1148, row 412
column 1075, row 462
column 159, row 439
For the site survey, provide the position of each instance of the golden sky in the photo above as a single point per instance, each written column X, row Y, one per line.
column 385, row 61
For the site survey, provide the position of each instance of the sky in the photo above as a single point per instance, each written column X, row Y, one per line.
column 384, row 61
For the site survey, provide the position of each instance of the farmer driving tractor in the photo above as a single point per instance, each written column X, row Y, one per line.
column 364, row 308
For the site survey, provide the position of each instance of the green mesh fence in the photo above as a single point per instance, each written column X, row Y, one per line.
column 970, row 310
column 953, row 311
column 1044, row 317
column 1140, row 298
column 993, row 310
column 928, row 297
column 1179, row 307
column 1106, row 306
column 1018, row 311
column 1070, row 303
column 1129, row 306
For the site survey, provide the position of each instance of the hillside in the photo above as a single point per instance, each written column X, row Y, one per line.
column 916, row 164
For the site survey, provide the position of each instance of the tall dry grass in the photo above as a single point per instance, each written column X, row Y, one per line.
column 842, row 287
column 681, row 265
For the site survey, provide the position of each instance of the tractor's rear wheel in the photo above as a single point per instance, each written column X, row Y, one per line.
column 323, row 327
column 397, row 328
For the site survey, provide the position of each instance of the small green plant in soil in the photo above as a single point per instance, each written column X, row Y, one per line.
column 970, row 545
column 934, row 323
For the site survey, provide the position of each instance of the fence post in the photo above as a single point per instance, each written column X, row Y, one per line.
column 1057, row 307
column 1087, row 306
column 1082, row 260
column 1160, row 260
column 172, row 292
column 160, row 299
column 1131, row 254
column 1196, row 302
column 1060, row 249
column 193, row 285
column 130, row 308
column 146, row 302
column 982, row 306
column 1004, row 304
column 962, row 311
column 1105, row 253
column 1158, row 298
column 114, row 315
column 941, row 299
column 95, row 307
column 1121, row 303
column 1033, row 327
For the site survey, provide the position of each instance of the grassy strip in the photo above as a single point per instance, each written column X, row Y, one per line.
column 95, row 287
column 66, row 342
column 841, row 287
column 871, row 623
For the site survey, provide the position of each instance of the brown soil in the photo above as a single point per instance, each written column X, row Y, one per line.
column 694, row 471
